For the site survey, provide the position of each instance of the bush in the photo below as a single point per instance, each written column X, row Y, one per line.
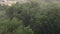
column 13, row 27
column 42, row 19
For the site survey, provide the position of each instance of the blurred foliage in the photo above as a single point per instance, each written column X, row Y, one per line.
column 13, row 27
column 31, row 18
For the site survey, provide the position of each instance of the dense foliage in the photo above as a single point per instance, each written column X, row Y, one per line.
column 31, row 18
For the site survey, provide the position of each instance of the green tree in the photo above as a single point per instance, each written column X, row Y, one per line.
column 42, row 19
